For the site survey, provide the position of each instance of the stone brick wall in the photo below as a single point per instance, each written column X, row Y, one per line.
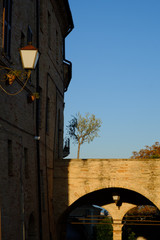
column 75, row 178
column 19, row 190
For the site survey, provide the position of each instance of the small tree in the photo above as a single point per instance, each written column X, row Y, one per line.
column 83, row 129
column 148, row 152
column 104, row 230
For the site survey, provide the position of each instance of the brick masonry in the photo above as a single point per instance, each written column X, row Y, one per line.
column 19, row 198
column 80, row 177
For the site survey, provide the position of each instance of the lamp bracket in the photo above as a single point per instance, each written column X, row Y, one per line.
column 8, row 76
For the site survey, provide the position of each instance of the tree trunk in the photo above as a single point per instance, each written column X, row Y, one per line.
column 79, row 144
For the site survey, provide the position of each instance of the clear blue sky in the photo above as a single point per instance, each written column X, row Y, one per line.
column 115, row 51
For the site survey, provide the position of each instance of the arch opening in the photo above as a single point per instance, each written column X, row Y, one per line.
column 89, row 222
column 142, row 222
column 105, row 196
column 101, row 198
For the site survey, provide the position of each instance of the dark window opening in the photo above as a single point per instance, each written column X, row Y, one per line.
column 7, row 15
column 59, row 132
column 47, row 114
column 49, row 30
column 10, row 158
column 29, row 35
column 57, row 47
column 40, row 108
column 22, row 44
column 26, row 162
column 42, row 191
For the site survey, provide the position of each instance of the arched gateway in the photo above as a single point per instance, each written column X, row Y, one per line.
column 136, row 182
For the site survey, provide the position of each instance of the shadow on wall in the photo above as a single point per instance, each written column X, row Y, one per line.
column 60, row 196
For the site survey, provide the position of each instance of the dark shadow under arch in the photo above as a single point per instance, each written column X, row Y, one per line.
column 142, row 221
column 104, row 197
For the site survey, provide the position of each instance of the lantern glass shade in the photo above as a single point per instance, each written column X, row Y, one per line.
column 116, row 198
column 29, row 57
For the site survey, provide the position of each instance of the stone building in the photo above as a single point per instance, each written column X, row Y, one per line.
column 31, row 130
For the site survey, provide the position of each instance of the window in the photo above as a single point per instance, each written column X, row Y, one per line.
column 7, row 11
column 41, row 14
column 40, row 108
column 42, row 190
column 22, row 40
column 29, row 35
column 47, row 114
column 10, row 158
column 26, row 162
column 49, row 30
column 57, row 47
column 59, row 132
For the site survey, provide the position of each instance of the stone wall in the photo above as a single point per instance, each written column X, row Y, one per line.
column 19, row 195
column 85, row 176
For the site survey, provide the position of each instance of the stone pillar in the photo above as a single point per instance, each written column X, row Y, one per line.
column 117, row 216
column 117, row 230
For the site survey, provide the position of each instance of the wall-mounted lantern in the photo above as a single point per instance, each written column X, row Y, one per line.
column 29, row 57
column 116, row 199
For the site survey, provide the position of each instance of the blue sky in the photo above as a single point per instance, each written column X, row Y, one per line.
column 115, row 52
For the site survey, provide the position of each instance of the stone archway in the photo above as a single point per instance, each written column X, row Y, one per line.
column 74, row 178
column 104, row 198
